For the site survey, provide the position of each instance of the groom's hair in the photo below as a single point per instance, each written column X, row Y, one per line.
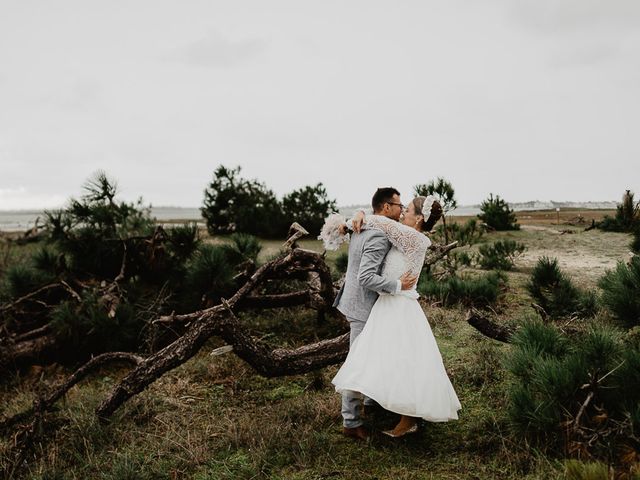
column 382, row 196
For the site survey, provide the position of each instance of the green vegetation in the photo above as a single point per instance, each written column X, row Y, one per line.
column 468, row 233
column 500, row 255
column 556, row 293
column 621, row 292
column 635, row 243
column 565, row 390
column 215, row 418
column 627, row 218
column 342, row 261
column 468, row 290
column 497, row 215
column 234, row 204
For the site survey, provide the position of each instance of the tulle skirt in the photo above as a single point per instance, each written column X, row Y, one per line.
column 396, row 362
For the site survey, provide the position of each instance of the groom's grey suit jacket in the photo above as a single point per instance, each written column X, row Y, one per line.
column 363, row 281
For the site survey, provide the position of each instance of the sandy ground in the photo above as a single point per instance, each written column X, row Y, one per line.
column 585, row 256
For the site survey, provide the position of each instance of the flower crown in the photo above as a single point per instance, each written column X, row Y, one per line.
column 426, row 207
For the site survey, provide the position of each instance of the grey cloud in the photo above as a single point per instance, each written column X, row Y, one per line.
column 216, row 51
column 82, row 95
column 557, row 16
column 583, row 55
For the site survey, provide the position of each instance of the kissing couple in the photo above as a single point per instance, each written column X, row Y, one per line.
column 393, row 358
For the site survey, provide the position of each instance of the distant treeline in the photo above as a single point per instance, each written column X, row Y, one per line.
column 235, row 204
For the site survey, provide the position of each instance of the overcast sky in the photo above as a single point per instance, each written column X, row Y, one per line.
column 530, row 99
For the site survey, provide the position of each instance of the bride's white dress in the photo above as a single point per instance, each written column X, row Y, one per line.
column 395, row 360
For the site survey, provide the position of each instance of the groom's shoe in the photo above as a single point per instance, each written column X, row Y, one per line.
column 358, row 433
column 372, row 409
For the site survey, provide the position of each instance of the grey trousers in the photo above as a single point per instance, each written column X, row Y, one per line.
column 351, row 400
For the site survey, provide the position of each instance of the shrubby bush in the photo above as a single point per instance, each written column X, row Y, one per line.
column 497, row 214
column 234, row 204
column 23, row 279
column 183, row 240
column 468, row 233
column 460, row 258
column 209, row 275
column 468, row 290
column 635, row 243
column 242, row 248
column 92, row 231
column 627, row 216
column 500, row 255
column 556, row 293
column 309, row 206
column 555, row 376
column 342, row 261
column 621, row 292
column 87, row 328
column 87, row 245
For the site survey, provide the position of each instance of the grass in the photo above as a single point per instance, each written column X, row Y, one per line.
column 215, row 418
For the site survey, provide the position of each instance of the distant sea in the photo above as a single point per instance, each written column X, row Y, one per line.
column 20, row 220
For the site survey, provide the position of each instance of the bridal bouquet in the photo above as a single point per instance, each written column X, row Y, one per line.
column 333, row 233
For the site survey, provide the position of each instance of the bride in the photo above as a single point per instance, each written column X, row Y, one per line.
column 395, row 360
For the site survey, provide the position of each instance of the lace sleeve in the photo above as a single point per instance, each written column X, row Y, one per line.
column 409, row 241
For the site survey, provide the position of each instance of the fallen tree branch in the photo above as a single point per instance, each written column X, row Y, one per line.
column 27, row 434
column 46, row 402
column 301, row 297
column 31, row 334
column 436, row 252
column 33, row 349
column 220, row 320
column 296, row 231
column 29, row 296
column 488, row 327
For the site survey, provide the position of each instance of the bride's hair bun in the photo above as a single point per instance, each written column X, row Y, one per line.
column 436, row 212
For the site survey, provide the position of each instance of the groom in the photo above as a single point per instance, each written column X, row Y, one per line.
column 363, row 282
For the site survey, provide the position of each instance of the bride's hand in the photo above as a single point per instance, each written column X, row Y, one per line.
column 357, row 221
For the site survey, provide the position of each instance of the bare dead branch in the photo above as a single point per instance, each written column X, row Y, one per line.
column 488, row 327
column 29, row 296
column 437, row 252
column 296, row 231
column 46, row 402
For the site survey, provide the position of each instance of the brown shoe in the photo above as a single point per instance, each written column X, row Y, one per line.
column 358, row 433
column 372, row 409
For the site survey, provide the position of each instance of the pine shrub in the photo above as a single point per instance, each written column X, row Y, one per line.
column 500, row 255
column 86, row 328
column 497, row 214
column 468, row 233
column 342, row 261
column 48, row 260
column 460, row 258
column 23, row 279
column 635, row 243
column 627, row 217
column 183, row 240
column 209, row 275
column 243, row 247
column 91, row 231
column 621, row 292
column 553, row 375
column 556, row 293
column 468, row 290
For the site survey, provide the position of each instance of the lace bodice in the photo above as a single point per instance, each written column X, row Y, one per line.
column 408, row 241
